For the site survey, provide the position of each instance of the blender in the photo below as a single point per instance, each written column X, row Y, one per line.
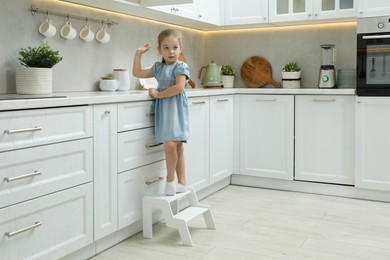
column 327, row 77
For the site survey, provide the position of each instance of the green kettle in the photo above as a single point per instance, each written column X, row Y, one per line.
column 212, row 77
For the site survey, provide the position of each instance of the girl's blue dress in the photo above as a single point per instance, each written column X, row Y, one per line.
column 171, row 121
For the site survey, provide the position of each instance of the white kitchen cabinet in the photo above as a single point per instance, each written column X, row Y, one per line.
column 370, row 8
column 48, row 227
column 324, row 139
column 133, row 185
column 302, row 10
column 221, row 137
column 200, row 10
column 197, row 149
column 245, row 12
column 373, row 143
column 266, row 135
column 105, row 170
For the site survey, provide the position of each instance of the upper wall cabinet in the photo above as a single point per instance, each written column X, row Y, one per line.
column 374, row 8
column 200, row 10
column 245, row 12
column 302, row 10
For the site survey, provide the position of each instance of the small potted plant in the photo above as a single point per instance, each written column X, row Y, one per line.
column 35, row 74
column 291, row 75
column 228, row 74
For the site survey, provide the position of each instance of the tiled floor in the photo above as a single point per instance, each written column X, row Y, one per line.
column 257, row 223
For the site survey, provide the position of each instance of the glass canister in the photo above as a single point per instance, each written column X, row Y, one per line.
column 123, row 77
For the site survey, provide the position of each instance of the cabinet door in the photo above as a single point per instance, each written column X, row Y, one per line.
column 332, row 9
column 324, row 139
column 267, row 135
column 209, row 11
column 374, row 8
column 373, row 143
column 221, row 137
column 290, row 10
column 105, row 169
column 245, row 12
column 133, row 185
column 197, row 149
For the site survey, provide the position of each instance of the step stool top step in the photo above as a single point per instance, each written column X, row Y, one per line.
column 190, row 213
column 178, row 196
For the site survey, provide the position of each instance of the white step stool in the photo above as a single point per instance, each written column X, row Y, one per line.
column 173, row 218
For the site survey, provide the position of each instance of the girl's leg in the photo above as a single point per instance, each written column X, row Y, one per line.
column 171, row 157
column 180, row 166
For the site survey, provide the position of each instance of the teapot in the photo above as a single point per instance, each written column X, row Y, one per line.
column 212, row 77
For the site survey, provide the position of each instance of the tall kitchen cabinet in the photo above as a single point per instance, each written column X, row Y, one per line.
column 373, row 143
column 245, row 12
column 324, row 139
column 374, row 8
column 266, row 135
column 209, row 152
column 301, row 10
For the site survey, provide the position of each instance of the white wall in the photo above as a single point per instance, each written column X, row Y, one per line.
column 84, row 63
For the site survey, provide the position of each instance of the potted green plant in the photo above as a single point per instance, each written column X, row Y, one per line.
column 35, row 74
column 228, row 74
column 291, row 75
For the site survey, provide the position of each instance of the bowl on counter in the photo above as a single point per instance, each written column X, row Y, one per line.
column 108, row 84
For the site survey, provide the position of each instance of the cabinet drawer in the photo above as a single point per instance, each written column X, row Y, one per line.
column 26, row 128
column 137, row 148
column 33, row 172
column 133, row 185
column 135, row 115
column 48, row 227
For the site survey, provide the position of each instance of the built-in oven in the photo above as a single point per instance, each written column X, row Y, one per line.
column 373, row 56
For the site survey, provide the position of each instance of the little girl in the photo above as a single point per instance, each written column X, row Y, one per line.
column 171, row 105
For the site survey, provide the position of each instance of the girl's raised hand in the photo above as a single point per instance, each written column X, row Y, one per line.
column 144, row 48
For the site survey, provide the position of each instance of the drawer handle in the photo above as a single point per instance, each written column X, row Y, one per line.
column 198, row 103
column 28, row 175
column 223, row 100
column 324, row 100
column 268, row 99
column 17, row 131
column 154, row 180
column 14, row 233
column 153, row 145
column 149, row 114
column 106, row 112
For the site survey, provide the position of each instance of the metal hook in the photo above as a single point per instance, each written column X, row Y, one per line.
column 47, row 14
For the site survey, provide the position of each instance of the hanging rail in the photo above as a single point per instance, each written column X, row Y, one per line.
column 35, row 9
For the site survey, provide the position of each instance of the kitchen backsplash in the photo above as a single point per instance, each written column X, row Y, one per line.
column 85, row 62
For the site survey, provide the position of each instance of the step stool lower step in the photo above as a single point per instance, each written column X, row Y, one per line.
column 190, row 213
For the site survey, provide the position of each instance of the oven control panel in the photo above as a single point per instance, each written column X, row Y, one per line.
column 373, row 24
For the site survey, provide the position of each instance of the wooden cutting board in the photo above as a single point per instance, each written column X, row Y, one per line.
column 182, row 58
column 256, row 72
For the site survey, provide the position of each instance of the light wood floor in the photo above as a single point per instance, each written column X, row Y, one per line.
column 257, row 223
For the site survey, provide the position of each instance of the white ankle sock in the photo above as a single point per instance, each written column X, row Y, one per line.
column 181, row 188
column 170, row 188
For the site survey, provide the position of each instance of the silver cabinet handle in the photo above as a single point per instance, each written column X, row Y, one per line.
column 16, row 131
column 152, row 145
column 223, row 100
column 324, row 100
column 149, row 182
column 198, row 102
column 14, row 233
column 28, row 175
column 149, row 114
column 107, row 112
column 270, row 99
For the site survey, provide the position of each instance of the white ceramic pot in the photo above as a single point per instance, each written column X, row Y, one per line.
column 108, row 84
column 123, row 77
column 291, row 79
column 291, row 75
column 34, row 81
column 227, row 81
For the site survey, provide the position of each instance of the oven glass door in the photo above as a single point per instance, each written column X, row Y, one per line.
column 373, row 60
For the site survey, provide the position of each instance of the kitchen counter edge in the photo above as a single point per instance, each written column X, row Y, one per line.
column 101, row 97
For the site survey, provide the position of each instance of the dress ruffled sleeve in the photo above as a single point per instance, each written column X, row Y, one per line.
column 182, row 69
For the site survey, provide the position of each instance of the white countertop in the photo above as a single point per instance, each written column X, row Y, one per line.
column 8, row 101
